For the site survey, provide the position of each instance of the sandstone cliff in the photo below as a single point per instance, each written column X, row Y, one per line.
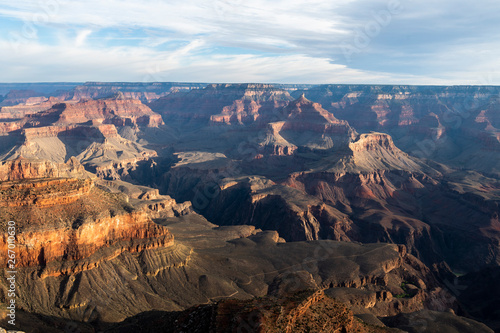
column 24, row 168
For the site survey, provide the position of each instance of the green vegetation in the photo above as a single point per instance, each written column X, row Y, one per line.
column 405, row 289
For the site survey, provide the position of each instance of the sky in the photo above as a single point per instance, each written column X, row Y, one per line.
column 443, row 42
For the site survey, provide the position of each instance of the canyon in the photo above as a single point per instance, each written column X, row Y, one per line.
column 217, row 207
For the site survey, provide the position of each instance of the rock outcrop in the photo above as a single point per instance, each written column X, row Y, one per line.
column 24, row 168
column 303, row 312
column 64, row 220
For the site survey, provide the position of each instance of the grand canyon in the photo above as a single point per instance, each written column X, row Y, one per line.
column 190, row 207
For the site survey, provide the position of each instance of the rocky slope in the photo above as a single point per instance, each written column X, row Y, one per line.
column 306, row 311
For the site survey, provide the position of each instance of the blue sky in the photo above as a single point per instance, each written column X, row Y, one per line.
column 293, row 41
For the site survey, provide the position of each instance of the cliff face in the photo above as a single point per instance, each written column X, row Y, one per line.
column 67, row 218
column 10, row 126
column 117, row 111
column 43, row 192
column 15, row 97
column 23, row 168
column 64, row 220
column 223, row 103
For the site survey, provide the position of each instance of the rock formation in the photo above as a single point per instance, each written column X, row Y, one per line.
column 454, row 125
column 223, row 103
column 117, row 110
column 333, row 198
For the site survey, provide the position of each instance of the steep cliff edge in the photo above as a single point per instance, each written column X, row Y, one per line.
column 67, row 220
column 25, row 168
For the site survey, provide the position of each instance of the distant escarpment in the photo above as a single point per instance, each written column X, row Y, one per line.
column 29, row 107
column 145, row 92
column 19, row 96
column 223, row 104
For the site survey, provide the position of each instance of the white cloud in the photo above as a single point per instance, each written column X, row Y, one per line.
column 294, row 40
column 81, row 37
column 187, row 63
